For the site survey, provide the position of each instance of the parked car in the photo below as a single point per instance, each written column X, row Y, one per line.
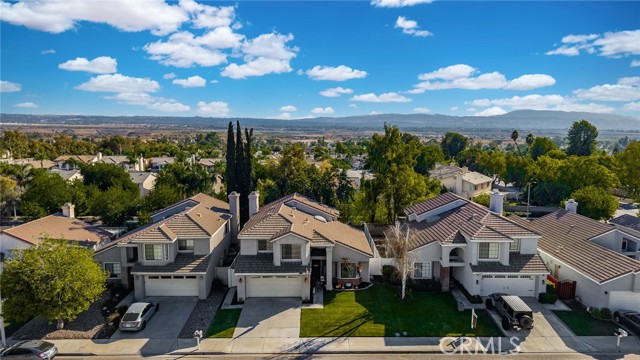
column 630, row 320
column 138, row 315
column 514, row 311
column 31, row 349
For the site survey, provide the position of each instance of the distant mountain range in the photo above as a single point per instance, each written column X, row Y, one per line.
column 521, row 119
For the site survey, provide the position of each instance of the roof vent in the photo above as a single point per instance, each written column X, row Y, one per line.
column 320, row 218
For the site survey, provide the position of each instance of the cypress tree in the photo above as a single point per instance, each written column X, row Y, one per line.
column 240, row 179
column 231, row 161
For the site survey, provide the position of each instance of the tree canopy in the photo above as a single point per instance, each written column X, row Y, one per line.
column 452, row 144
column 582, row 138
column 595, row 202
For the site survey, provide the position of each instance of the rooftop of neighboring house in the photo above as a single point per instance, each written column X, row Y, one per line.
column 626, row 220
column 476, row 178
column 58, row 226
column 443, row 170
column 37, row 164
column 465, row 220
column 567, row 237
column 141, row 177
column 285, row 216
column 162, row 160
column 114, row 159
column 209, row 161
column 66, row 174
column 82, row 158
column 200, row 198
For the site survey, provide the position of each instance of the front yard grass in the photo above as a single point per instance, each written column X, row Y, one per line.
column 224, row 323
column 583, row 324
column 376, row 312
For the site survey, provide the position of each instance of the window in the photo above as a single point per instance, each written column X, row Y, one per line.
column 291, row 252
column 113, row 269
column 515, row 245
column 185, row 245
column 421, row 270
column 348, row 270
column 625, row 244
column 265, row 245
column 488, row 250
column 153, row 252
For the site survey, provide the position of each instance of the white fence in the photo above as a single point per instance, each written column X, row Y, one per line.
column 376, row 264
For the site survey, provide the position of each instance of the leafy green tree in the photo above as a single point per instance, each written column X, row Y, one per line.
column 55, row 280
column 582, row 138
column 629, row 171
column 45, row 195
column 159, row 197
column 186, row 178
column 9, row 194
column 469, row 158
column 15, row 142
column 452, row 144
column 517, row 170
column 492, row 163
column 595, row 202
column 105, row 176
column 483, row 199
column 114, row 206
column 541, row 146
column 430, row 154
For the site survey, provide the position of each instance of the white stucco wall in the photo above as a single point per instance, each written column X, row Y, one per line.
column 249, row 247
column 528, row 246
column 8, row 243
column 293, row 239
column 340, row 252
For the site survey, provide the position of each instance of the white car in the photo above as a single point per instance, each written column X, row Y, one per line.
column 138, row 315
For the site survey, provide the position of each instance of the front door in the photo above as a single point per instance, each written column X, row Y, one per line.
column 317, row 270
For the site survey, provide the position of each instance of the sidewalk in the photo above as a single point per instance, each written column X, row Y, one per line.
column 597, row 344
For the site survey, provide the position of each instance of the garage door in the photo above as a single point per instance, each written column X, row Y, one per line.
column 171, row 286
column 521, row 285
column 274, row 286
column 626, row 300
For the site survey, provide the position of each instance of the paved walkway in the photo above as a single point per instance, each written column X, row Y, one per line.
column 269, row 318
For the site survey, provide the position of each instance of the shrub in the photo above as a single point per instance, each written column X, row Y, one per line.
column 604, row 313
column 424, row 285
column 547, row 298
column 551, row 289
column 388, row 273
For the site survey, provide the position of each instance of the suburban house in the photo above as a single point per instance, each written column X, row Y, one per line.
column 157, row 163
column 68, row 175
column 210, row 163
column 70, row 162
column 58, row 226
column 355, row 177
column 36, row 164
column 485, row 252
column 629, row 224
column 176, row 254
column 144, row 180
column 294, row 242
column 461, row 181
column 580, row 249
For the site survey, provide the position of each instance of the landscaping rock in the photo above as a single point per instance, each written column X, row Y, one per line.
column 203, row 313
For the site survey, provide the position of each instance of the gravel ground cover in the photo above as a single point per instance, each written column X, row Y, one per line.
column 203, row 313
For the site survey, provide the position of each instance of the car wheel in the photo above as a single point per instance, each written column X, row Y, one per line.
column 506, row 324
column 157, row 307
column 526, row 322
column 489, row 304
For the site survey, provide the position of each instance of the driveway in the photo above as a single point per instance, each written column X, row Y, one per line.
column 269, row 318
column 167, row 322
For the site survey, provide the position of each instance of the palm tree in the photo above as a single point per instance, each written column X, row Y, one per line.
column 514, row 136
column 22, row 174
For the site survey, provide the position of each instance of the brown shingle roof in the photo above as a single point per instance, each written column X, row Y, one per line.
column 57, row 226
column 518, row 263
column 82, row 158
column 432, row 204
column 567, row 237
column 183, row 263
column 626, row 220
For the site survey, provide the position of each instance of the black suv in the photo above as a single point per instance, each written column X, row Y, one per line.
column 514, row 312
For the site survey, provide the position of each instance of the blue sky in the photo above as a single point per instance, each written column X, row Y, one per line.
column 294, row 59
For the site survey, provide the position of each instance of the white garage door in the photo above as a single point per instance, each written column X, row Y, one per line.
column 274, row 286
column 171, row 285
column 521, row 285
column 624, row 300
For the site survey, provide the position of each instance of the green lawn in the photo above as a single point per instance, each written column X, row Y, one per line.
column 376, row 312
column 224, row 323
column 583, row 324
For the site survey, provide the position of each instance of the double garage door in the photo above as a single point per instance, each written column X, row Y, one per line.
column 274, row 286
column 171, row 285
column 520, row 285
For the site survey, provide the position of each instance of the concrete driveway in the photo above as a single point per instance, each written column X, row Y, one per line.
column 167, row 322
column 269, row 318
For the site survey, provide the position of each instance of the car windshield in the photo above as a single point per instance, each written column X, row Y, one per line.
column 130, row 317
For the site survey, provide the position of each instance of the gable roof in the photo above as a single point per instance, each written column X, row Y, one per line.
column 469, row 220
column 141, row 177
column 114, row 159
column 626, row 220
column 82, row 158
column 281, row 217
column 200, row 198
column 476, row 178
column 58, row 227
column 567, row 237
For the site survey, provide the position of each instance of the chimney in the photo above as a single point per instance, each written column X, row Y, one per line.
column 496, row 203
column 234, row 209
column 571, row 206
column 140, row 163
column 68, row 210
column 99, row 156
column 254, row 203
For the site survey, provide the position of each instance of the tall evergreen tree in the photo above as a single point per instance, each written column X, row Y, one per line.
column 231, row 161
column 240, row 179
column 247, row 175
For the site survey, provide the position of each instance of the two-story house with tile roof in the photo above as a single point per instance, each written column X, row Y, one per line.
column 454, row 238
column 293, row 242
column 580, row 249
column 176, row 254
column 461, row 181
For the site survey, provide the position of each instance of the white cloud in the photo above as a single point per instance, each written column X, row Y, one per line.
column 265, row 54
column 398, row 3
column 169, row 76
column 205, row 16
column 185, row 50
column 460, row 76
column 411, row 27
column 284, row 116
column 627, row 89
column 149, row 102
column 633, row 106
column 338, row 73
column 319, row 110
column 454, row 108
column 610, row 44
column 214, row 81
column 168, row 106
column 190, row 82
column 542, row 102
column 56, row 16
column 49, row 51
column 335, row 92
column 389, row 97
column 213, row 109
column 530, row 81
column 99, row 65
column 119, row 84
column 493, row 111
column 27, row 105
column 635, row 63
column 288, row 108
column 421, row 110
column 354, row 106
column 8, row 86
column 591, row 107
